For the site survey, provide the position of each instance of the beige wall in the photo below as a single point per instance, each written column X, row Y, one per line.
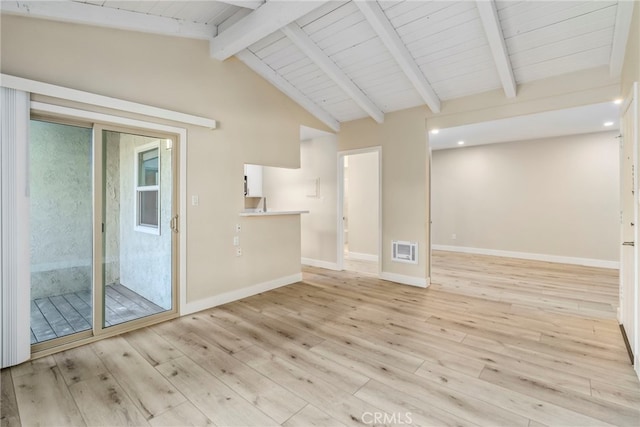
column 404, row 171
column 362, row 179
column 554, row 196
column 286, row 189
column 258, row 124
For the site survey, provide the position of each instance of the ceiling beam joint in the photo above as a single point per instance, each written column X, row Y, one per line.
column 265, row 20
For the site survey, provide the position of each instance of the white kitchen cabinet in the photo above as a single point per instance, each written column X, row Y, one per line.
column 253, row 180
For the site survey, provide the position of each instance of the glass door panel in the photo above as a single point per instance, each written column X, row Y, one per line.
column 61, row 227
column 137, row 240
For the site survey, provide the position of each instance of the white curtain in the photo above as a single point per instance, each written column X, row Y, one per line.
column 15, row 333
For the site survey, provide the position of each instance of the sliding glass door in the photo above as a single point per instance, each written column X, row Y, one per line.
column 103, row 230
column 61, row 218
column 138, row 211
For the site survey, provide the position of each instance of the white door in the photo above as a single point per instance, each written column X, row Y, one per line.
column 629, row 228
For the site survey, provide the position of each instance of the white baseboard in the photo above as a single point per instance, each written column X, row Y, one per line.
column 320, row 263
column 235, row 295
column 361, row 256
column 531, row 256
column 420, row 282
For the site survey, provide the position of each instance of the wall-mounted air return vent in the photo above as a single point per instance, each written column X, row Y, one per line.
column 404, row 251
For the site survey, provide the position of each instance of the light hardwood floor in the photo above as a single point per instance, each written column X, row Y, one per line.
column 492, row 342
column 369, row 268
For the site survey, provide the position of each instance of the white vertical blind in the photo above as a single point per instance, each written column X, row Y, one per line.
column 15, row 337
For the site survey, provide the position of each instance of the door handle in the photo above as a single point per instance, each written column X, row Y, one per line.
column 173, row 224
column 628, row 244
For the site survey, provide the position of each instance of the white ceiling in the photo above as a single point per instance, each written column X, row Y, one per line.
column 344, row 60
column 571, row 121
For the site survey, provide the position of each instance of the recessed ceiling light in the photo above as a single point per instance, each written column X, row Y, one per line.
column 435, row 131
column 460, row 142
column 608, row 124
column 618, row 101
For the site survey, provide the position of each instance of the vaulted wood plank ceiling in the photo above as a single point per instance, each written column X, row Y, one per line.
column 344, row 60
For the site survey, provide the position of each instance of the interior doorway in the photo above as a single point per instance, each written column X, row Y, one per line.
column 359, row 203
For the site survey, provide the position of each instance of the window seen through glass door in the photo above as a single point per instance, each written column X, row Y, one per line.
column 137, row 239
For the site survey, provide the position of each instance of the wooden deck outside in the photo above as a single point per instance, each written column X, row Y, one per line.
column 61, row 315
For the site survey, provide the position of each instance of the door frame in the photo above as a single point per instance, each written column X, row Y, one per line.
column 429, row 225
column 631, row 102
column 111, row 122
column 340, row 207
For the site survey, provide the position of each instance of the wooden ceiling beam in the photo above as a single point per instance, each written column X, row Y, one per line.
column 270, row 75
column 493, row 31
column 266, row 19
column 90, row 14
column 248, row 4
column 387, row 33
column 621, row 30
column 326, row 64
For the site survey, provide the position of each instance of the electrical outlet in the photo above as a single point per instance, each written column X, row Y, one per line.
column 238, row 228
column 238, row 251
column 454, row 236
column 236, row 240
